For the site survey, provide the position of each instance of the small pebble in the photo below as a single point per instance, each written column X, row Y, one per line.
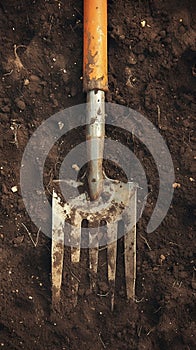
column 75, row 167
column 122, row 37
column 61, row 125
column 34, row 78
column 14, row 189
column 132, row 59
column 127, row 71
column 26, row 82
column 162, row 258
column 20, row 104
column 176, row 185
column 18, row 240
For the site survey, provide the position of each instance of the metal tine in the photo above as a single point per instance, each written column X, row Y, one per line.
column 130, row 246
column 57, row 249
column 93, row 257
column 75, row 236
column 112, row 232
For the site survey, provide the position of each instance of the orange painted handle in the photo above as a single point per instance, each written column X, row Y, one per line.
column 95, row 45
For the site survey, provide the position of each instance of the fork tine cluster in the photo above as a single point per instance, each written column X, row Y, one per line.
column 59, row 216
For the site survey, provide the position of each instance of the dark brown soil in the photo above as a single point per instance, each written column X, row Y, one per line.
column 149, row 66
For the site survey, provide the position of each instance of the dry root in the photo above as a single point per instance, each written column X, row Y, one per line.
column 14, row 65
column 17, row 62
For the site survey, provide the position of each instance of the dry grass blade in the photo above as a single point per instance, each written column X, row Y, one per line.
column 35, row 243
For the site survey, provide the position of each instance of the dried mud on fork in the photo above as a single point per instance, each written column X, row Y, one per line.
column 152, row 70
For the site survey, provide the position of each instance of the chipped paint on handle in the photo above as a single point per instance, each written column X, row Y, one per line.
column 95, row 45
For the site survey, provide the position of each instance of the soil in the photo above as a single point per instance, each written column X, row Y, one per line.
column 152, row 69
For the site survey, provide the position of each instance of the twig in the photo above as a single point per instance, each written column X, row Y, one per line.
column 173, row 243
column 101, row 340
column 138, row 300
column 160, row 307
column 133, row 138
column 75, row 8
column 73, row 275
column 144, row 202
column 15, row 128
column 103, row 295
column 71, row 28
column 51, row 23
column 17, row 58
column 159, row 116
column 9, row 73
column 150, row 331
column 102, row 248
column 55, row 166
column 35, row 243
column 139, row 330
column 177, row 284
column 145, row 240
column 50, row 181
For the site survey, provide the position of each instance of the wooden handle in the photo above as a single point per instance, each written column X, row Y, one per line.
column 95, row 45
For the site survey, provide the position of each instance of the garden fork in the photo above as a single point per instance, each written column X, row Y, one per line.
column 121, row 196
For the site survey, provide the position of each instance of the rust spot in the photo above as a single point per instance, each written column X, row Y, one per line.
column 91, row 66
column 99, row 111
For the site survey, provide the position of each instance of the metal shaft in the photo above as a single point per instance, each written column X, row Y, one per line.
column 95, row 134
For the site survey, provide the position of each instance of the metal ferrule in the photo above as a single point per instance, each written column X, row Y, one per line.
column 95, row 134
